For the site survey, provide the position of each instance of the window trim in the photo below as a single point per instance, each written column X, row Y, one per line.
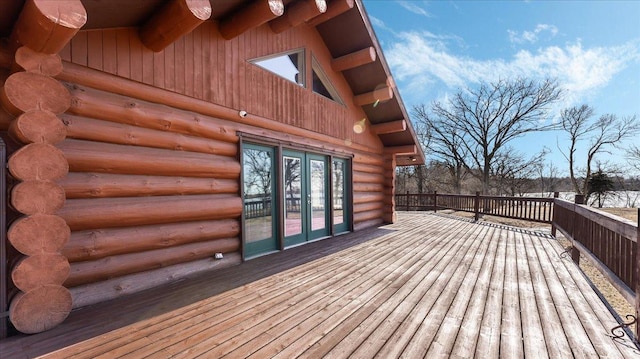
column 302, row 65
column 317, row 69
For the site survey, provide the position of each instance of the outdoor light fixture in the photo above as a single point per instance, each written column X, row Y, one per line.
column 243, row 113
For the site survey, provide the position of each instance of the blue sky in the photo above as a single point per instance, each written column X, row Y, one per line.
column 592, row 48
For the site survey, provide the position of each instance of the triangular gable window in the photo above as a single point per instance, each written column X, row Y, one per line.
column 321, row 83
column 289, row 65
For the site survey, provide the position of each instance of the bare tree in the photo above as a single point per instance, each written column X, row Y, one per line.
column 633, row 154
column 443, row 141
column 513, row 173
column 602, row 134
column 488, row 118
column 548, row 180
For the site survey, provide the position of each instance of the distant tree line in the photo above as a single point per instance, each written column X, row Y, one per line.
column 467, row 140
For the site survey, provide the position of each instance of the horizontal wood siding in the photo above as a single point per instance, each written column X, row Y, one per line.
column 205, row 66
column 153, row 190
column 141, row 197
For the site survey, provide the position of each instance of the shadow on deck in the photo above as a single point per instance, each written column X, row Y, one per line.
column 427, row 286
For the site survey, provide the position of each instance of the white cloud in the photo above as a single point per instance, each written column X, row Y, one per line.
column 377, row 22
column 531, row 36
column 414, row 8
column 422, row 61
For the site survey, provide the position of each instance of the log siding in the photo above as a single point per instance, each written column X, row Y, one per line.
column 137, row 166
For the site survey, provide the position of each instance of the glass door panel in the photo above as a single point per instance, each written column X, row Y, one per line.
column 317, row 194
column 338, row 189
column 317, row 189
column 259, row 205
column 294, row 197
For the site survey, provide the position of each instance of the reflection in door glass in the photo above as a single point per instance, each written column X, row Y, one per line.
column 257, row 194
column 292, row 192
column 338, row 192
column 317, row 195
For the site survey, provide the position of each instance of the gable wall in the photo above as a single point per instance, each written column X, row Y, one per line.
column 153, row 186
column 219, row 72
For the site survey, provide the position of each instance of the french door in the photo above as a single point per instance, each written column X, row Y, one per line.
column 259, row 186
column 305, row 180
column 291, row 197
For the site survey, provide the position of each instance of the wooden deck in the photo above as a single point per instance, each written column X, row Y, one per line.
column 428, row 286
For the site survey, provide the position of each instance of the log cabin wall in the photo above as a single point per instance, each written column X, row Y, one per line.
column 153, row 190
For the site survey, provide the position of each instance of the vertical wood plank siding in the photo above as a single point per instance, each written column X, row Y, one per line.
column 203, row 66
column 217, row 71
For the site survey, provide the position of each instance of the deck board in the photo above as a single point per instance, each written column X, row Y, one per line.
column 427, row 286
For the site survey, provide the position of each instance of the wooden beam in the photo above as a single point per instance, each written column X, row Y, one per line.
column 381, row 94
column 297, row 13
column 354, row 59
column 389, row 127
column 401, row 150
column 94, row 213
column 334, row 8
column 176, row 19
column 254, row 15
column 47, row 26
column 96, row 244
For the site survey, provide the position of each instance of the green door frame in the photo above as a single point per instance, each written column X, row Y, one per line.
column 268, row 244
column 346, row 208
column 305, row 198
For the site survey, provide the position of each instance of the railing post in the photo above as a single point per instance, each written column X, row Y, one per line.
column 553, row 218
column 407, row 201
column 575, row 253
column 435, row 201
column 637, row 279
column 476, row 206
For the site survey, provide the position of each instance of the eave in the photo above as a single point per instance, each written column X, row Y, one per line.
column 369, row 78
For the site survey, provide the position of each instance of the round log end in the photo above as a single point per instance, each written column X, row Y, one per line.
column 40, row 309
column 46, row 64
column 276, row 7
column 201, row 9
column 24, row 91
column 32, row 197
column 321, row 5
column 37, row 234
column 36, row 271
column 70, row 13
column 38, row 161
column 38, row 126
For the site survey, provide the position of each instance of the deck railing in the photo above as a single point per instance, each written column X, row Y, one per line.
column 609, row 242
column 525, row 208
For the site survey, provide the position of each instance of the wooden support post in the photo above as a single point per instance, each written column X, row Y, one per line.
column 435, row 201
column 297, row 13
column 334, row 8
column 407, row 201
column 47, row 26
column 476, row 207
column 254, row 15
column 373, row 97
column 637, row 275
column 575, row 252
column 553, row 219
column 176, row 19
column 389, row 127
column 354, row 59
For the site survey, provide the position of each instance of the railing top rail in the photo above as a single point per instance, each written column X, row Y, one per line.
column 529, row 199
column 619, row 225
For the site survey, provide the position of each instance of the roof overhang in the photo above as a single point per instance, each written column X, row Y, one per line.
column 370, row 80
